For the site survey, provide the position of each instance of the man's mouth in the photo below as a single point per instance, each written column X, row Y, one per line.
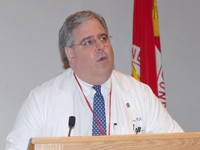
column 102, row 58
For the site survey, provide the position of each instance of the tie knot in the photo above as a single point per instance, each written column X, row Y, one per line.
column 97, row 88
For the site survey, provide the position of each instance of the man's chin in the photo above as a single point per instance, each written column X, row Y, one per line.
column 106, row 73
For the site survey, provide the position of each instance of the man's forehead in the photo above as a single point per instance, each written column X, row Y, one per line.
column 89, row 28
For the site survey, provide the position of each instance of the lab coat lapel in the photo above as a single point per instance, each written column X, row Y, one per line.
column 122, row 110
column 64, row 99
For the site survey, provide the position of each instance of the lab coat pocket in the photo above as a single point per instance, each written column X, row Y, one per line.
column 138, row 126
column 118, row 129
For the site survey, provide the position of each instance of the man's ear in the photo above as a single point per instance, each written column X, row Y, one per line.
column 70, row 54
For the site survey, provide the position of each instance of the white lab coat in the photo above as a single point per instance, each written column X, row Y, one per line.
column 46, row 111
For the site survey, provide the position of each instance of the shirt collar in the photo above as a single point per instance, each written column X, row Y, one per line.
column 89, row 91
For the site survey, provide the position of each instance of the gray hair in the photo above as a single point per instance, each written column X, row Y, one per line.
column 65, row 34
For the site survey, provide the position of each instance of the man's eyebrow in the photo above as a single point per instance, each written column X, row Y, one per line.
column 103, row 34
column 92, row 36
column 86, row 38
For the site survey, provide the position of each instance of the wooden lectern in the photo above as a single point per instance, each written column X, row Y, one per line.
column 172, row 141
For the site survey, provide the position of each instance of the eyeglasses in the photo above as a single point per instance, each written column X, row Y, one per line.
column 90, row 42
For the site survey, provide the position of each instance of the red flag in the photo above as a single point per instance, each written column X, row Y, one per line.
column 146, row 51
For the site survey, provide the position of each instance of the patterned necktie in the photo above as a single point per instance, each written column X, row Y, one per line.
column 99, row 112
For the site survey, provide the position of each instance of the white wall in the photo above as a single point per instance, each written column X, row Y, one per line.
column 180, row 42
column 29, row 53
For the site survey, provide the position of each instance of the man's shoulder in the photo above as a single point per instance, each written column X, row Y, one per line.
column 124, row 77
column 127, row 82
column 58, row 82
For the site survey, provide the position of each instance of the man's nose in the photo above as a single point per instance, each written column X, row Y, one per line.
column 99, row 45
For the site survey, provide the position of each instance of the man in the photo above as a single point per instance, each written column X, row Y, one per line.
column 130, row 106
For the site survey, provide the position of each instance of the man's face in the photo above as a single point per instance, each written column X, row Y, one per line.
column 93, row 65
